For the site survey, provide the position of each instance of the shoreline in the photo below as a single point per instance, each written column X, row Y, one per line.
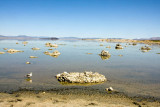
column 71, row 97
column 149, row 42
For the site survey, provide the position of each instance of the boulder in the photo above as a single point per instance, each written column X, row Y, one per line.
column 84, row 77
column 118, row 46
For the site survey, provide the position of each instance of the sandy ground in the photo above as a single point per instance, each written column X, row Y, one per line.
column 71, row 99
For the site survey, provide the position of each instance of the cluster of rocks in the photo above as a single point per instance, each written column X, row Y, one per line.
column 84, row 77
column 145, row 48
column 56, row 53
column 134, row 44
column 51, row 45
column 118, row 46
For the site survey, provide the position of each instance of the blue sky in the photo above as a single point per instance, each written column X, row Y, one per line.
column 81, row 18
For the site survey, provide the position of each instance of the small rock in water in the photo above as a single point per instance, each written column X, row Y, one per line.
column 35, row 48
column 2, row 52
column 118, row 46
column 5, row 48
column 25, row 42
column 108, row 47
column 28, row 63
column 88, row 53
column 105, row 53
column 33, row 57
column 120, row 55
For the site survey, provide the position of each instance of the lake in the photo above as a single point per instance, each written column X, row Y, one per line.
column 134, row 73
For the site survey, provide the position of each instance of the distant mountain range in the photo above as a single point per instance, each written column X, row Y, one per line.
column 152, row 38
column 24, row 37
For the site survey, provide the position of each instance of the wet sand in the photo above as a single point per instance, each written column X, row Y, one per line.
column 73, row 98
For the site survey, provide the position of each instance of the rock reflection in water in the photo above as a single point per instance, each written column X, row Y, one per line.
column 104, row 57
column 29, row 80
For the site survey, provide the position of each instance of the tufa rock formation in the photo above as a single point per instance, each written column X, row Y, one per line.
column 84, row 77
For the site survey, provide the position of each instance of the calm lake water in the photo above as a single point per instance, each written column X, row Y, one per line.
column 134, row 73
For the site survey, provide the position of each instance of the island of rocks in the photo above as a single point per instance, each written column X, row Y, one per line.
column 83, row 77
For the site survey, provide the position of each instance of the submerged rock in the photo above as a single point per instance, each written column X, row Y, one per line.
column 35, row 48
column 118, row 46
column 17, row 43
column 14, row 51
column 84, row 77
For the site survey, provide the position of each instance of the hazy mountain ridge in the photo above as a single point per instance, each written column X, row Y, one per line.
column 24, row 37
column 152, row 38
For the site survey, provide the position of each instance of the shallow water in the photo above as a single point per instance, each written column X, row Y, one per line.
column 134, row 73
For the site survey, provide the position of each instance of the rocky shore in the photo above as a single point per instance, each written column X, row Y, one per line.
column 73, row 98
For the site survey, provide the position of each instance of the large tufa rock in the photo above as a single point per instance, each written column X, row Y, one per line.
column 85, row 77
column 13, row 51
column 118, row 46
